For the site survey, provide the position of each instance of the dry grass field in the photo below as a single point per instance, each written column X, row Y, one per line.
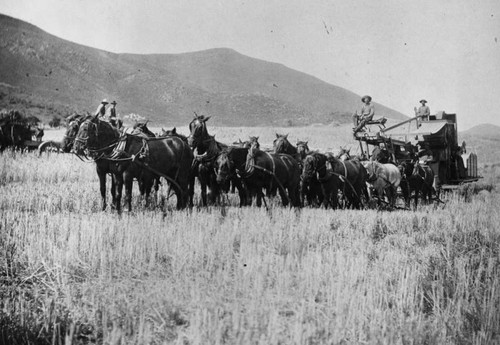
column 227, row 275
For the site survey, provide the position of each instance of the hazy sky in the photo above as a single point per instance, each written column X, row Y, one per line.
column 397, row 51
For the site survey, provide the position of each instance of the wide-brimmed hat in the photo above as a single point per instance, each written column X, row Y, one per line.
column 104, row 101
column 366, row 96
column 423, row 101
column 114, row 102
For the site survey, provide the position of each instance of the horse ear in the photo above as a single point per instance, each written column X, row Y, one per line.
column 174, row 130
column 286, row 136
column 206, row 118
column 277, row 135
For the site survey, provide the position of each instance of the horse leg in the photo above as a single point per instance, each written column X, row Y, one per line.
column 148, row 186
column 119, row 187
column 259, row 195
column 113, row 191
column 236, row 183
column 190, row 187
column 415, row 197
column 284, row 196
column 128, row 181
column 102, row 187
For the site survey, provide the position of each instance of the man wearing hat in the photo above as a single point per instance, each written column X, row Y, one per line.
column 423, row 112
column 101, row 109
column 365, row 114
column 112, row 114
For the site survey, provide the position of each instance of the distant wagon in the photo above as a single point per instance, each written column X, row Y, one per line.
column 17, row 132
column 438, row 133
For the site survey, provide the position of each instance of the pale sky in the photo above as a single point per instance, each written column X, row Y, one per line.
column 397, row 51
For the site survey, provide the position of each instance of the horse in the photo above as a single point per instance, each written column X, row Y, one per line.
column 353, row 176
column 227, row 163
column 417, row 179
column 72, row 127
column 282, row 145
column 302, row 149
column 266, row 170
column 172, row 133
column 206, row 149
column 142, row 128
column 315, row 167
column 96, row 138
column 385, row 179
column 130, row 156
column 310, row 190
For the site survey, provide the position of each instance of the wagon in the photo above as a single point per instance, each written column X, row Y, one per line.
column 452, row 165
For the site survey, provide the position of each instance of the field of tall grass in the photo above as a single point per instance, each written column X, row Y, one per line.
column 227, row 275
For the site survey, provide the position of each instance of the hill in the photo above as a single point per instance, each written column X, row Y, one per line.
column 484, row 131
column 46, row 75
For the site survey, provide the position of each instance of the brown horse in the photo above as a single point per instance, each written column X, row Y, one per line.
column 267, row 170
column 72, row 127
column 96, row 139
column 282, row 145
column 416, row 179
column 227, row 163
column 353, row 176
column 315, row 167
column 132, row 156
column 206, row 149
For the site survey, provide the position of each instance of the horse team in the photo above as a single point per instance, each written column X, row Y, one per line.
column 301, row 177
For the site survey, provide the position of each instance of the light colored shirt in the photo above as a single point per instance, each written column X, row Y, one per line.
column 423, row 111
column 101, row 110
column 367, row 111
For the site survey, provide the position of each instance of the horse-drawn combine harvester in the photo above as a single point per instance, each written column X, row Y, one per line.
column 438, row 133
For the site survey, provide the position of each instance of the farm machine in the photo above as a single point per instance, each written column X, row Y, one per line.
column 438, row 132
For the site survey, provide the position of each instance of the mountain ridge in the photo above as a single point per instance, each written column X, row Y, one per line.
column 51, row 76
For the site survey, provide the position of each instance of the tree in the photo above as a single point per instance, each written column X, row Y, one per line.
column 55, row 122
column 33, row 120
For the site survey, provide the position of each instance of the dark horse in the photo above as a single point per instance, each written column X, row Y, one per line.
column 266, row 170
column 227, row 164
column 417, row 179
column 133, row 156
column 334, row 174
column 206, row 150
column 282, row 145
column 353, row 177
column 315, row 168
column 72, row 127
column 86, row 142
column 310, row 189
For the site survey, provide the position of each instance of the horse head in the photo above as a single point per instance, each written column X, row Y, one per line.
column 223, row 167
column 198, row 130
column 282, row 145
column 95, row 135
column 344, row 154
column 71, row 132
column 142, row 128
column 253, row 143
column 312, row 163
column 302, row 149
